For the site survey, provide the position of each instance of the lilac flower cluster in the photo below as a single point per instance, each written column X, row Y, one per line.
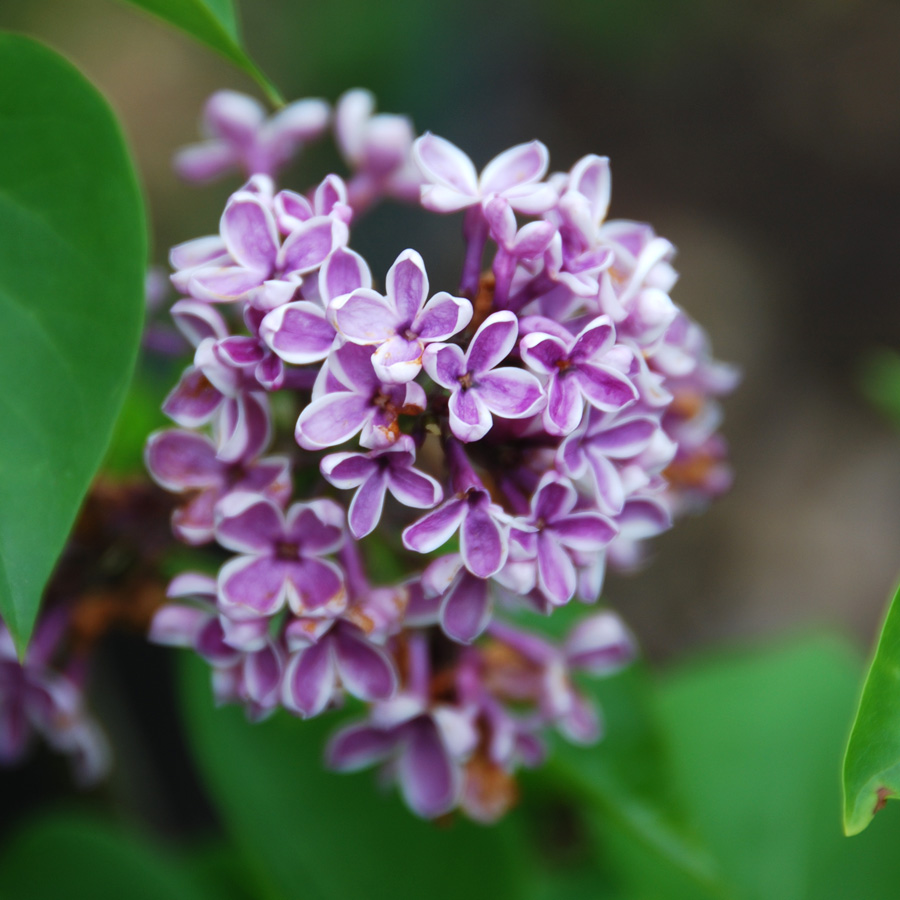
column 39, row 699
column 550, row 416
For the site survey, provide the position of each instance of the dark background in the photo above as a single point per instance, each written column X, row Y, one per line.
column 762, row 138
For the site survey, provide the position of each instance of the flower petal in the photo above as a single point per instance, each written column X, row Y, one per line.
column 604, row 387
column 407, row 286
column 493, row 342
column 332, row 419
column 483, row 543
column 309, row 680
column 298, row 332
column 442, row 317
column 183, row 460
column 368, row 502
column 434, row 529
column 511, row 393
column 252, row 586
column 249, row 523
column 366, row 671
column 466, row 609
column 522, row 164
column 343, row 272
column 250, row 232
column 429, row 781
column 444, row 163
column 364, row 317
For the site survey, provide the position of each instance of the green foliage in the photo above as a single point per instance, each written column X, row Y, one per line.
column 81, row 858
column 872, row 763
column 755, row 743
column 72, row 263
column 214, row 23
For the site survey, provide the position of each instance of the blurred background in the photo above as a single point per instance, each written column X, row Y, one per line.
column 762, row 138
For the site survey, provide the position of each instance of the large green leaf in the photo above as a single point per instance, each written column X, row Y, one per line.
column 755, row 741
column 72, row 263
column 322, row 836
column 82, row 858
column 872, row 763
column 214, row 23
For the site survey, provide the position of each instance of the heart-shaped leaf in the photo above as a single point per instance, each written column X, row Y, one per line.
column 72, row 264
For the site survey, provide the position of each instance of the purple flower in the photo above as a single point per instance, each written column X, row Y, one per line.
column 186, row 462
column 555, row 529
column 280, row 561
column 213, row 391
column 401, row 323
column 255, row 253
column 354, row 400
column 240, row 138
column 299, row 332
column 483, row 526
column 453, row 184
column 424, row 744
column 36, row 698
column 586, row 367
column 599, row 645
column 375, row 473
column 378, row 148
column 341, row 657
column 597, row 445
column 477, row 388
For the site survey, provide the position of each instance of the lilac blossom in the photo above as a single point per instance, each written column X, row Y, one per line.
column 241, row 138
column 375, row 473
column 538, row 425
column 359, row 401
column 402, row 322
column 38, row 699
column 342, row 657
column 586, row 367
column 478, row 389
column 281, row 556
column 378, row 147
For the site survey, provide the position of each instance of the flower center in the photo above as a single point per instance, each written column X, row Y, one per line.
column 287, row 551
column 465, row 380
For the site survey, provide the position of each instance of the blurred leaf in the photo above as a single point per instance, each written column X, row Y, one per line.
column 80, row 858
column 72, row 263
column 214, row 23
column 872, row 763
column 880, row 381
column 755, row 741
column 316, row 834
column 627, row 785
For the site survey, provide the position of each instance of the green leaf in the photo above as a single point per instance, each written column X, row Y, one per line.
column 320, row 835
column 72, row 263
column 214, row 23
column 872, row 762
column 626, row 785
column 81, row 858
column 755, row 743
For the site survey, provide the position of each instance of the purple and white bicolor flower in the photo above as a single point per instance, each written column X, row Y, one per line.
column 299, row 332
column 256, row 255
column 402, row 322
column 585, row 367
column 378, row 148
column 423, row 744
column 451, row 182
column 352, row 399
column 597, row 448
column 322, row 663
column 599, row 645
column 214, row 391
column 186, row 462
column 375, row 473
column 483, row 525
column 555, row 529
column 241, row 138
column 478, row 389
column 281, row 557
